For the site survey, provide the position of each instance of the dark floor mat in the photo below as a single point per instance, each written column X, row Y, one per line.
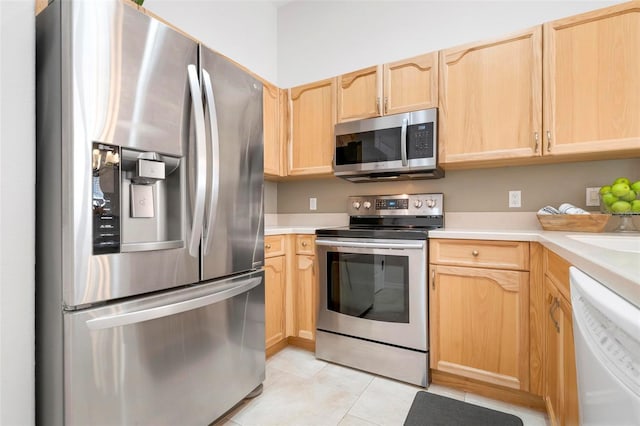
column 429, row 409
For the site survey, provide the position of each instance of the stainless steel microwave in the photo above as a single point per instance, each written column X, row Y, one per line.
column 400, row 146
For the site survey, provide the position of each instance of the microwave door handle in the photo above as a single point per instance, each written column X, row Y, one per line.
column 130, row 318
column 403, row 142
column 215, row 160
column 200, row 160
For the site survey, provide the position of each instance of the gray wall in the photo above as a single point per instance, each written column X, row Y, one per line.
column 270, row 197
column 245, row 31
column 17, row 212
column 321, row 39
column 482, row 190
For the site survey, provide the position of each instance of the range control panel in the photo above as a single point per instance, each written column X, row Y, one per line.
column 396, row 205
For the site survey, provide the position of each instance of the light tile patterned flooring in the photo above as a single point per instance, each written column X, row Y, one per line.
column 302, row 390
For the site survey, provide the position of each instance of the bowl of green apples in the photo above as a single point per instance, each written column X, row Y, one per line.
column 621, row 197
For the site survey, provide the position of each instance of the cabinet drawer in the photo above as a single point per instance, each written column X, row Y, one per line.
column 482, row 254
column 557, row 269
column 305, row 244
column 273, row 245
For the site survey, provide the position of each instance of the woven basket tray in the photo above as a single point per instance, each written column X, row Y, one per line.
column 574, row 222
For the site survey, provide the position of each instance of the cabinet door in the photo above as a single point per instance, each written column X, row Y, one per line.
column 592, row 83
column 305, row 297
column 273, row 150
column 479, row 324
column 312, row 117
column 561, row 388
column 570, row 410
column 359, row 94
column 411, row 84
column 490, row 100
column 274, row 300
column 553, row 353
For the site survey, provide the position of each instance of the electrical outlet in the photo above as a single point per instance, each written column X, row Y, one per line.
column 515, row 198
column 313, row 204
column 593, row 196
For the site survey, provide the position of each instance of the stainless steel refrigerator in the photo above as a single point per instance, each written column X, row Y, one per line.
column 150, row 287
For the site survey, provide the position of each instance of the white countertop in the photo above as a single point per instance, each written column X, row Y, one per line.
column 279, row 230
column 617, row 270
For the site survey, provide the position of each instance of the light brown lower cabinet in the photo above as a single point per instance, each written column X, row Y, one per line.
column 561, row 390
column 274, row 300
column 290, row 292
column 305, row 297
column 479, row 324
column 306, row 287
column 274, row 291
column 479, row 310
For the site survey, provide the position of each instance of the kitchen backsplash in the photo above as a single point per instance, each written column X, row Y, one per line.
column 479, row 190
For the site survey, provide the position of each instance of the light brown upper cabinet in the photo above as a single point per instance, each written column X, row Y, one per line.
column 492, row 95
column 592, row 83
column 275, row 129
column 490, row 100
column 311, row 119
column 402, row 86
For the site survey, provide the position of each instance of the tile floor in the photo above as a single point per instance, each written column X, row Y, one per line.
column 302, row 390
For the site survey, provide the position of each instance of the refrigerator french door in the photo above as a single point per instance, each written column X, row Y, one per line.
column 149, row 208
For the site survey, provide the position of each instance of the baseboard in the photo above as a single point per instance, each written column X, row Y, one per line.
column 306, row 344
column 274, row 349
column 512, row 396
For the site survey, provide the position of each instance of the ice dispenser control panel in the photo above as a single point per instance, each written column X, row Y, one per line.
column 106, row 198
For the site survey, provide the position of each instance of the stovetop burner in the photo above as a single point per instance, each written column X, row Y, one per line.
column 403, row 216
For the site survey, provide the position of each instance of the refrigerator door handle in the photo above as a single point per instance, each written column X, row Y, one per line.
column 135, row 317
column 215, row 159
column 200, row 160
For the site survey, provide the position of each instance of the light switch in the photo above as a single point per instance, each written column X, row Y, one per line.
column 514, row 199
column 313, row 203
column 593, row 196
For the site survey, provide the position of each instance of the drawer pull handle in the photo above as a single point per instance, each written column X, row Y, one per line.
column 268, row 246
column 304, row 244
column 475, row 253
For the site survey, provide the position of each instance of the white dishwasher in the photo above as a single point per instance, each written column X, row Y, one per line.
column 606, row 331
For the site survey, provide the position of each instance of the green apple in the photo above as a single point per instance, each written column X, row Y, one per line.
column 609, row 198
column 620, row 189
column 635, row 206
column 622, row 180
column 636, row 186
column 605, row 189
column 631, row 195
column 621, row 207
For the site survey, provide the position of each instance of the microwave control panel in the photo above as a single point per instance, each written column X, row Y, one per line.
column 420, row 140
column 396, row 205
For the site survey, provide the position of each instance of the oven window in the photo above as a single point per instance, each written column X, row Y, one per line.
column 368, row 286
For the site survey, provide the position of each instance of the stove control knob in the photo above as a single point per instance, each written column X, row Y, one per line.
column 431, row 203
column 417, row 204
column 356, row 205
column 366, row 205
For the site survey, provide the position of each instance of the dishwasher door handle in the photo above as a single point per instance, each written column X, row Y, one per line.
column 134, row 317
column 358, row 244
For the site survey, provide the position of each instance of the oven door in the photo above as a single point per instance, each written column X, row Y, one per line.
column 374, row 289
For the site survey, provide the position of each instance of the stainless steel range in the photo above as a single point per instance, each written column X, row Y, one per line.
column 373, row 304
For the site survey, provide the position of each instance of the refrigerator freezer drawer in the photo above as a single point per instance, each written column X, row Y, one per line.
column 184, row 357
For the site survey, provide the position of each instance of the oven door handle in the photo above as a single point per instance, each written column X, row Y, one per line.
column 357, row 244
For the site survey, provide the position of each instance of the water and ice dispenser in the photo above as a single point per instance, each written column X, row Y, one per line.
column 137, row 200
